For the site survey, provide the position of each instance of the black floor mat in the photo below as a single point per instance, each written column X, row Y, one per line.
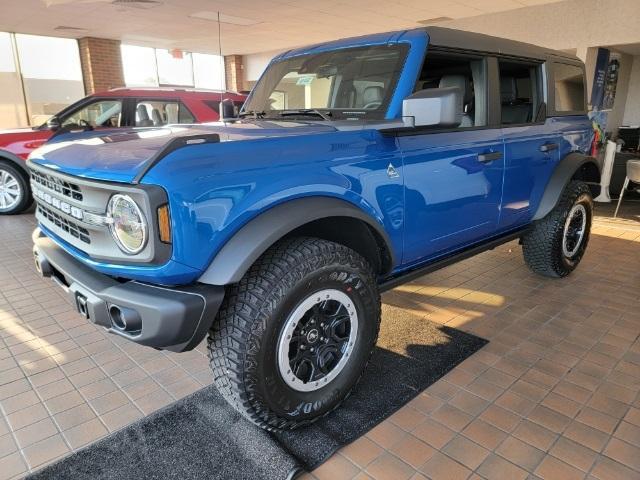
column 201, row 437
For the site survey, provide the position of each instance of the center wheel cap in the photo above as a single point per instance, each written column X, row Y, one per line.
column 312, row 336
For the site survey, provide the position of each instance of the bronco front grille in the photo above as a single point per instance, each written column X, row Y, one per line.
column 68, row 226
column 56, row 184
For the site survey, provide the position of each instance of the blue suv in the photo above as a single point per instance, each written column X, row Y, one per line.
column 355, row 166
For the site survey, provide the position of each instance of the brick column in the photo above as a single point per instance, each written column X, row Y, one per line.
column 101, row 64
column 234, row 72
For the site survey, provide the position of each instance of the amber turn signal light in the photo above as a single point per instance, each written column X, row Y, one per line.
column 164, row 224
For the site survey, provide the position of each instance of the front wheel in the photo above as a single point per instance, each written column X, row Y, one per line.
column 15, row 194
column 555, row 244
column 295, row 334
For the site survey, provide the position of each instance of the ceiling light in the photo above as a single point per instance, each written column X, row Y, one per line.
column 65, row 28
column 431, row 21
column 213, row 16
column 142, row 4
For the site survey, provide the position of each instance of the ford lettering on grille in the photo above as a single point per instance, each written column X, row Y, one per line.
column 58, row 204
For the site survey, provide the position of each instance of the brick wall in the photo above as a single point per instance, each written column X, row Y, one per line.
column 101, row 64
column 234, row 72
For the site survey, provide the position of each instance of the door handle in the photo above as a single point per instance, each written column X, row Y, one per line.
column 489, row 157
column 548, row 147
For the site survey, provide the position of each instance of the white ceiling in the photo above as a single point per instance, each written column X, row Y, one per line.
column 257, row 25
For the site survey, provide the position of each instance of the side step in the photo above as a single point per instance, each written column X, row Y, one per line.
column 404, row 277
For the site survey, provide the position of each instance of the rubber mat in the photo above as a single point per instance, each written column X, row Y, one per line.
column 202, row 437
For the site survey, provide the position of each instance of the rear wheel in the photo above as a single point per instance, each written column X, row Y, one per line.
column 15, row 194
column 295, row 334
column 555, row 244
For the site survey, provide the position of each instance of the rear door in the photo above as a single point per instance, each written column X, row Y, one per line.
column 453, row 178
column 531, row 141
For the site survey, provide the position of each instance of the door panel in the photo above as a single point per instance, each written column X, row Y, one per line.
column 527, row 170
column 452, row 197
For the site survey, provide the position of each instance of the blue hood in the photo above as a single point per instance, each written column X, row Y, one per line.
column 118, row 156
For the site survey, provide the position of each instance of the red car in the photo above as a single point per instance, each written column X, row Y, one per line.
column 121, row 107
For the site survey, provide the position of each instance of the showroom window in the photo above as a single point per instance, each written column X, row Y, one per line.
column 569, row 88
column 51, row 78
column 152, row 67
column 12, row 108
column 51, row 74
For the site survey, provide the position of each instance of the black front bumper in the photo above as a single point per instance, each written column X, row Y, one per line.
column 175, row 319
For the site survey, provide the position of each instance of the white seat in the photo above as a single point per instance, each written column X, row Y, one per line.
column 633, row 175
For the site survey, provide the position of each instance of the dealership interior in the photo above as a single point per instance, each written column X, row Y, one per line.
column 482, row 369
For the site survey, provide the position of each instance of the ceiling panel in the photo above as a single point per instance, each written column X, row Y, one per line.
column 277, row 24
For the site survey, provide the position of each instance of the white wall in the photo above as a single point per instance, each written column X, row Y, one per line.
column 572, row 24
column 255, row 64
column 632, row 110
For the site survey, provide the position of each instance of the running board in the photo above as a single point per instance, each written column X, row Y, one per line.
column 404, row 277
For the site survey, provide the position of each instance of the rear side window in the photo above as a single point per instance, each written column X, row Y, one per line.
column 569, row 88
column 156, row 113
column 519, row 92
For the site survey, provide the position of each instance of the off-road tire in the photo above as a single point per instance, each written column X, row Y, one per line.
column 244, row 337
column 542, row 244
column 26, row 199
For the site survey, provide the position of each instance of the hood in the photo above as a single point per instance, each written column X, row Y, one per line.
column 120, row 156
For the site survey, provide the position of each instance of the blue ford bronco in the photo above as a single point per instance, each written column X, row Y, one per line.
column 355, row 166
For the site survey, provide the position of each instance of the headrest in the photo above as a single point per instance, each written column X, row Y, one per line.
column 508, row 92
column 372, row 94
column 460, row 81
column 142, row 112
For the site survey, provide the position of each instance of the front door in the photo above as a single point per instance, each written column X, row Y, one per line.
column 453, row 179
column 453, row 189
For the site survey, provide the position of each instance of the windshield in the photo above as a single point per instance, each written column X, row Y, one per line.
column 347, row 83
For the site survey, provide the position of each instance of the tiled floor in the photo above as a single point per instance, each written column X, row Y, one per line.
column 555, row 394
column 63, row 382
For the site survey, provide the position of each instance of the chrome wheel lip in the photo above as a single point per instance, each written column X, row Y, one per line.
column 576, row 210
column 10, row 191
column 290, row 325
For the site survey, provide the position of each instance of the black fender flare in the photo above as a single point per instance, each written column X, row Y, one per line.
column 253, row 239
column 563, row 173
column 15, row 161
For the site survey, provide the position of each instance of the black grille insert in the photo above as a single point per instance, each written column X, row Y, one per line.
column 70, row 190
column 68, row 226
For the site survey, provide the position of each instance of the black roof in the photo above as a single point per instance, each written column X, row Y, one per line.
column 451, row 38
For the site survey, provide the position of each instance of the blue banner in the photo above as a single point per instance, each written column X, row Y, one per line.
column 599, row 79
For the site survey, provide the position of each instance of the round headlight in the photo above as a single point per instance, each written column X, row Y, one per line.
column 128, row 226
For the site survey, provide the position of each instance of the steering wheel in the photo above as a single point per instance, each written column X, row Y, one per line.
column 372, row 105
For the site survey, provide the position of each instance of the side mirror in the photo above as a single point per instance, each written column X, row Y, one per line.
column 53, row 123
column 436, row 107
column 228, row 109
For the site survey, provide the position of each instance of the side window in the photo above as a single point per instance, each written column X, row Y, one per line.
column 519, row 92
column 442, row 70
column 103, row 113
column 156, row 113
column 569, row 88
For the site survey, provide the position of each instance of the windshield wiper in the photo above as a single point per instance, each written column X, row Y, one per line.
column 306, row 111
column 251, row 113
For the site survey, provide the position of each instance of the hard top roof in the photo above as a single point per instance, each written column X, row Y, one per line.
column 441, row 37
column 448, row 37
